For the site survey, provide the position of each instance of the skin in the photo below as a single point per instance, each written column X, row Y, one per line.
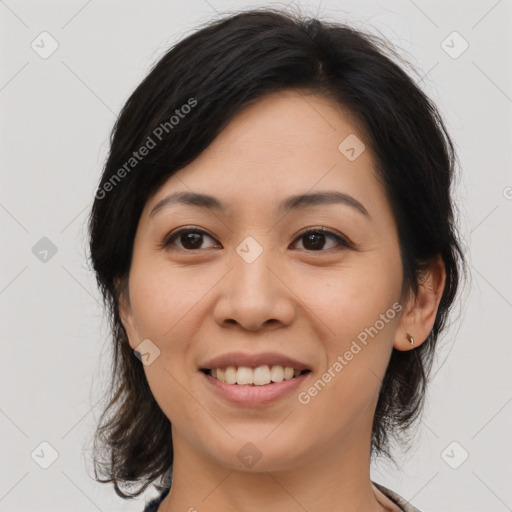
column 198, row 303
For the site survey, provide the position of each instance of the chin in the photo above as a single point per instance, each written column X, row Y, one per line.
column 257, row 453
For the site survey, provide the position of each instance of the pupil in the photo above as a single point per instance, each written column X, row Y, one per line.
column 314, row 239
column 191, row 238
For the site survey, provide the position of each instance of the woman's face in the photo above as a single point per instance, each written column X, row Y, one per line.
column 247, row 280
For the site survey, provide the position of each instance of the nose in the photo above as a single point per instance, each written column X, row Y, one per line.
column 255, row 294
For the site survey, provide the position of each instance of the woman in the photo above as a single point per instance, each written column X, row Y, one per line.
column 274, row 238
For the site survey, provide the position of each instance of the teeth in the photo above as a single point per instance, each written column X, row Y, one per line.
column 288, row 373
column 260, row 376
column 244, row 375
column 277, row 373
column 230, row 375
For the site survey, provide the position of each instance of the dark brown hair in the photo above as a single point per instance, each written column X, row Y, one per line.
column 215, row 73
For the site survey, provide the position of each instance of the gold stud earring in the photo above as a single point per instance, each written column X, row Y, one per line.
column 410, row 338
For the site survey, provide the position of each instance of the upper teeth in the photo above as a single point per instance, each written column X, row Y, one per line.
column 258, row 376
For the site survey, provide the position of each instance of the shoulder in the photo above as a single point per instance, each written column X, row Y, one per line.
column 153, row 505
column 404, row 505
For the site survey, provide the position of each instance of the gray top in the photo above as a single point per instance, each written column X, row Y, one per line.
column 404, row 505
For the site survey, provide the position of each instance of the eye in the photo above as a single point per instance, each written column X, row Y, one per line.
column 190, row 238
column 314, row 239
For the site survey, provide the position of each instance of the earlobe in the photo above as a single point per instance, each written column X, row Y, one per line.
column 420, row 314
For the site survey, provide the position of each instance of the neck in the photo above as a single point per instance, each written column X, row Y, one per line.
column 335, row 479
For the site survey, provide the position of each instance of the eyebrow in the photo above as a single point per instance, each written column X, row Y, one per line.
column 295, row 202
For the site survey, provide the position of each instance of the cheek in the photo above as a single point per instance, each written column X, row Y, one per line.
column 167, row 307
column 352, row 299
column 359, row 313
column 358, row 346
column 164, row 301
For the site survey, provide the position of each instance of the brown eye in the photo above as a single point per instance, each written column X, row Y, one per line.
column 315, row 239
column 190, row 239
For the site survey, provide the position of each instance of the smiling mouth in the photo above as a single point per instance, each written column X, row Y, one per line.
column 259, row 376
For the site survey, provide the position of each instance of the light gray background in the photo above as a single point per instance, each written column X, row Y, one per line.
column 56, row 115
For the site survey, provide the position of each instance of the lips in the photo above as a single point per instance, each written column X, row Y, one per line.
column 254, row 380
column 255, row 395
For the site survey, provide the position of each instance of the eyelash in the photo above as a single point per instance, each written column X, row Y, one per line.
column 168, row 239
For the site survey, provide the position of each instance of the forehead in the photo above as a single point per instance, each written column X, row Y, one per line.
column 286, row 143
column 288, row 120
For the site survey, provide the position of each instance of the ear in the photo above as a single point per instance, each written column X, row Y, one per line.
column 126, row 313
column 421, row 308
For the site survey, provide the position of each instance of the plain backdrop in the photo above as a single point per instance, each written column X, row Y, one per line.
column 57, row 111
